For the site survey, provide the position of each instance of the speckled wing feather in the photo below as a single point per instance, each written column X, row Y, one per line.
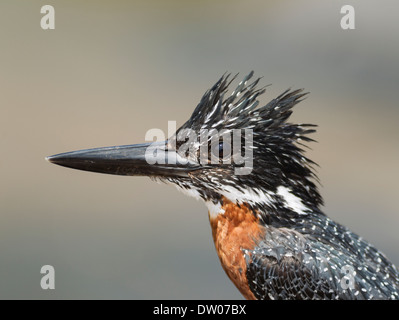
column 325, row 261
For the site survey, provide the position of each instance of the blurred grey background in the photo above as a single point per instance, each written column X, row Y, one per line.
column 111, row 70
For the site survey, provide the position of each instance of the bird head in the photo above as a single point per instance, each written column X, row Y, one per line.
column 230, row 148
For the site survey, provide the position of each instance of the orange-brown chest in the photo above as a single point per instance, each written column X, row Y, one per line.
column 234, row 230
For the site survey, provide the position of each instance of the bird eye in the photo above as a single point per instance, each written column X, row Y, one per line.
column 222, row 151
column 221, row 146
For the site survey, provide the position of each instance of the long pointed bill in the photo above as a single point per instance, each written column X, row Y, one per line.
column 149, row 159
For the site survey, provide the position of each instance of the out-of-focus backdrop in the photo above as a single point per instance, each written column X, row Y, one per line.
column 111, row 70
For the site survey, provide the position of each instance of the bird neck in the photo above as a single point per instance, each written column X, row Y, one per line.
column 235, row 230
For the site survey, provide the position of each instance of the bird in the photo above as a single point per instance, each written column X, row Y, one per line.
column 271, row 235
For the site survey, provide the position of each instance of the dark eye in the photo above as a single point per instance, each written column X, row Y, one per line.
column 222, row 150
column 221, row 144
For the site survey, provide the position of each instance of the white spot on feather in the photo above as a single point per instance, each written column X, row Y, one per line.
column 292, row 201
column 251, row 196
column 214, row 208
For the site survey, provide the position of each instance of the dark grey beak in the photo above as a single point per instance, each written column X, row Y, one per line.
column 149, row 159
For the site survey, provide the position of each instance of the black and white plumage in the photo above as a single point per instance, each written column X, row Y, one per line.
column 305, row 255
column 297, row 251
